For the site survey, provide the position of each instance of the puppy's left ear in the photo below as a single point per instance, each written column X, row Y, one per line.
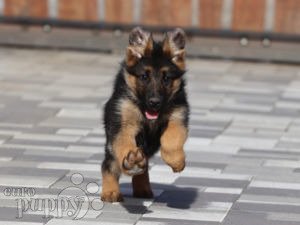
column 174, row 47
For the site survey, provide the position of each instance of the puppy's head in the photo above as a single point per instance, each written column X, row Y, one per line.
column 154, row 69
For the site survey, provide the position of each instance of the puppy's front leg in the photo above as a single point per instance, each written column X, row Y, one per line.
column 110, row 180
column 131, row 159
column 125, row 157
column 122, row 153
column 172, row 141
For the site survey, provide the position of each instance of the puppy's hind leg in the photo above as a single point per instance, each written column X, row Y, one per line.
column 141, row 185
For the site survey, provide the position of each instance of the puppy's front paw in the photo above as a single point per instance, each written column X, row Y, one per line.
column 134, row 162
column 176, row 160
column 178, row 166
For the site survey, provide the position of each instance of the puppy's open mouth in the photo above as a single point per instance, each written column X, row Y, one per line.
column 151, row 115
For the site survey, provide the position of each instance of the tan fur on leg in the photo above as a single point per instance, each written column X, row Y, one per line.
column 110, row 188
column 124, row 145
column 172, row 142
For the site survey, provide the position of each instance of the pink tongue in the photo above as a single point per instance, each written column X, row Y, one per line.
column 151, row 116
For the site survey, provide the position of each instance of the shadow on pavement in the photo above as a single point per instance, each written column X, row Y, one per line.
column 172, row 196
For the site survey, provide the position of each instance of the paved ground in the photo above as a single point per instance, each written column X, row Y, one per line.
column 243, row 152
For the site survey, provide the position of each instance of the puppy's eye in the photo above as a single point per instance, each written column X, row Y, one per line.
column 144, row 76
column 166, row 79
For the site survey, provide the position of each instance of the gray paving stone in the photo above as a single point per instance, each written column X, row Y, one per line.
column 210, row 214
column 8, row 216
column 248, row 206
column 210, row 182
column 4, row 152
column 219, row 158
column 203, row 133
column 57, row 154
column 269, row 154
column 27, row 180
column 160, row 221
column 262, row 199
column 70, row 123
column 85, row 222
column 124, row 217
column 205, row 164
column 47, row 158
column 33, row 142
column 68, row 165
column 288, row 145
column 284, row 217
column 250, row 217
column 32, row 171
column 288, row 192
column 25, row 115
column 266, row 172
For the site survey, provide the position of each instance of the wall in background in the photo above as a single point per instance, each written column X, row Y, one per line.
column 278, row 16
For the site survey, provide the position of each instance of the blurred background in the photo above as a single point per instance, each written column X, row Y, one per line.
column 267, row 30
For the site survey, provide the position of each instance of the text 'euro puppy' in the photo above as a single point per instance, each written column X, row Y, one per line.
column 147, row 112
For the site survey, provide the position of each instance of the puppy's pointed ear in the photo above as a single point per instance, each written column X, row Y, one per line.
column 140, row 44
column 174, row 47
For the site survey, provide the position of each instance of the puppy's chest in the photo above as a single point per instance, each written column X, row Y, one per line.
column 149, row 137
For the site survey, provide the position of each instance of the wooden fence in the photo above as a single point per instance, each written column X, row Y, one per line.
column 276, row 16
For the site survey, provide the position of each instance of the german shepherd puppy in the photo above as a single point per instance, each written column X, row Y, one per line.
column 148, row 111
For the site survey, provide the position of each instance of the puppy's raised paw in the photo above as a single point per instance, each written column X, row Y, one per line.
column 178, row 167
column 134, row 162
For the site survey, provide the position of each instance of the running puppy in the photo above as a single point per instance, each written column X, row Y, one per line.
column 148, row 111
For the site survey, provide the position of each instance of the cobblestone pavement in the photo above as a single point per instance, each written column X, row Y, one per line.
column 243, row 152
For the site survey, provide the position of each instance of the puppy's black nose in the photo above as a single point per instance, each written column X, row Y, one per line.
column 154, row 103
